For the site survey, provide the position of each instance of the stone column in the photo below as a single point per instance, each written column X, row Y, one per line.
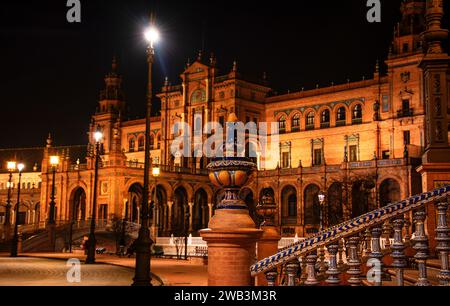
column 169, row 217
column 191, row 206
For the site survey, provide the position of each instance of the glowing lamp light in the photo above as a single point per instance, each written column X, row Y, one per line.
column 11, row 165
column 151, row 35
column 98, row 136
column 321, row 197
column 54, row 160
column 20, row 167
column 156, row 171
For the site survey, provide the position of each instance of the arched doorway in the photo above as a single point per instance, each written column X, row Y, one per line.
column 246, row 195
column 179, row 211
column 389, row 192
column 78, row 207
column 361, row 197
column 37, row 213
column 159, row 209
column 200, row 214
column 132, row 209
column 312, row 205
column 289, row 205
column 335, row 204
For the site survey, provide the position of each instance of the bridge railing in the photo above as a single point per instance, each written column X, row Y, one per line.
column 355, row 243
column 60, row 227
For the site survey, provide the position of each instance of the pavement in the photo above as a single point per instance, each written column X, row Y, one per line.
column 48, row 269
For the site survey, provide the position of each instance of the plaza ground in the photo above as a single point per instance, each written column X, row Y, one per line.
column 49, row 269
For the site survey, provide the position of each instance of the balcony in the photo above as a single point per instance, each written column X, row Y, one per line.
column 310, row 127
column 325, row 125
column 357, row 121
column 340, row 123
column 405, row 112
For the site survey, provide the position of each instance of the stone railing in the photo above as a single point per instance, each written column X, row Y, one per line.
column 361, row 239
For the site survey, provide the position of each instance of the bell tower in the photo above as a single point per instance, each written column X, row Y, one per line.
column 407, row 39
column 110, row 109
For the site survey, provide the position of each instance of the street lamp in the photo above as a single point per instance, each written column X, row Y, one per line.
column 91, row 243
column 143, row 243
column 54, row 161
column 155, row 172
column 16, row 234
column 11, row 166
column 322, row 197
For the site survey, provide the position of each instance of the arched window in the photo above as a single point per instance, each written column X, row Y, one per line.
column 152, row 142
column 310, row 121
column 357, row 114
column 325, row 119
column 296, row 122
column 340, row 116
column 131, row 144
column 141, row 143
column 282, row 124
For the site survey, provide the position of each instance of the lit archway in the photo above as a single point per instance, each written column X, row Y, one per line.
column 389, row 192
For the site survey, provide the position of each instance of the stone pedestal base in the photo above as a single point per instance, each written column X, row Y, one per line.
column 267, row 246
column 434, row 175
column 231, row 247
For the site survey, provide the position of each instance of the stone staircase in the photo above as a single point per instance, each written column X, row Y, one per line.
column 352, row 254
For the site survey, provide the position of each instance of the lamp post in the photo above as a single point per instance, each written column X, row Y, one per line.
column 322, row 197
column 11, row 166
column 54, row 161
column 90, row 259
column 155, row 172
column 143, row 243
column 16, row 224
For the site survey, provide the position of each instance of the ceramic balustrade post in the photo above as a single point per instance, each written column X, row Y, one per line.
column 292, row 270
column 398, row 254
column 333, row 271
column 443, row 243
column 311, row 270
column 271, row 277
column 420, row 242
column 376, row 254
column 354, row 262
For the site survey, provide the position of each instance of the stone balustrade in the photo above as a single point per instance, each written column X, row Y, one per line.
column 375, row 249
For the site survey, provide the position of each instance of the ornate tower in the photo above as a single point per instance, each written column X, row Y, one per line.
column 110, row 109
column 407, row 39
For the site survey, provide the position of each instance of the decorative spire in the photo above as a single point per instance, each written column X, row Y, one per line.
column 49, row 140
column 234, row 66
column 435, row 35
column 212, row 59
column 377, row 67
column 114, row 64
column 166, row 81
column 199, row 56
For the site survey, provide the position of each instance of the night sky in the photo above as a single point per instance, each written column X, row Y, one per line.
column 51, row 71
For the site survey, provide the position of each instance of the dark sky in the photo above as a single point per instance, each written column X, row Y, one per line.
column 51, row 71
